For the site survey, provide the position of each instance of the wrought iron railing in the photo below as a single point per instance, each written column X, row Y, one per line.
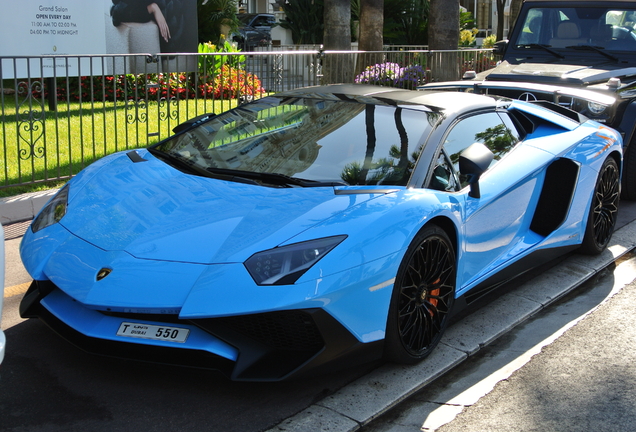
column 61, row 113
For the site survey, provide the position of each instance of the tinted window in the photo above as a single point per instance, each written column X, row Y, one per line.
column 562, row 27
column 444, row 177
column 531, row 30
column 496, row 132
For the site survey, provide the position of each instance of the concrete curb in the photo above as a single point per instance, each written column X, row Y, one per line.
column 367, row 398
column 23, row 207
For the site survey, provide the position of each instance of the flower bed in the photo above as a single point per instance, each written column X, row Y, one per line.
column 393, row 75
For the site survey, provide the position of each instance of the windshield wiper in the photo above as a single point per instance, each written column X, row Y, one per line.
column 594, row 48
column 275, row 178
column 543, row 47
column 249, row 177
column 299, row 181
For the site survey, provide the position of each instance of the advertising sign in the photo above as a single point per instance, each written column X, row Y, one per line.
column 38, row 32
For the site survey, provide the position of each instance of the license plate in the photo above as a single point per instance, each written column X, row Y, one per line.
column 154, row 332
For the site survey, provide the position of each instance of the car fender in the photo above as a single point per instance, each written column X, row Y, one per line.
column 350, row 277
column 395, row 219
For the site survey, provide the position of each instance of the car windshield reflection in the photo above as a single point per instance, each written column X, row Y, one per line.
column 315, row 140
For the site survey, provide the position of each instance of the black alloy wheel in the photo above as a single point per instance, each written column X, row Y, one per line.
column 604, row 210
column 423, row 295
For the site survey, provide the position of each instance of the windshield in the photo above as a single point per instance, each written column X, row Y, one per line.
column 567, row 27
column 258, row 20
column 245, row 18
column 310, row 139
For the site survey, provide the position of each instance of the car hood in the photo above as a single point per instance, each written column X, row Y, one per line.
column 153, row 211
column 554, row 73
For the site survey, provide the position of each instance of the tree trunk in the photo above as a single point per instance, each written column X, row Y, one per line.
column 443, row 34
column 337, row 68
column 501, row 5
column 371, row 33
column 371, row 25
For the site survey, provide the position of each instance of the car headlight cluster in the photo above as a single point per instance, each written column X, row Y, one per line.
column 53, row 211
column 284, row 265
column 596, row 108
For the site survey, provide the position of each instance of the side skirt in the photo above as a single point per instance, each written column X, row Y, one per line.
column 540, row 259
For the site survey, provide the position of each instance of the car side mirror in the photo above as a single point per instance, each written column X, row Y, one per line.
column 473, row 162
column 500, row 47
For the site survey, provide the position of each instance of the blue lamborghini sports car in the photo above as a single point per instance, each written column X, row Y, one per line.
column 316, row 227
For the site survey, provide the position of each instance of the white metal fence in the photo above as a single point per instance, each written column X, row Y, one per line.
column 61, row 113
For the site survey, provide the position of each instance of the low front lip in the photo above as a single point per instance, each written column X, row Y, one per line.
column 241, row 347
column 96, row 332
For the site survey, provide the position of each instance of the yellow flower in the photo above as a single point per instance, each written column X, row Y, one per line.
column 466, row 37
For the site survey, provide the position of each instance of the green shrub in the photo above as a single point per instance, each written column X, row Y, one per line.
column 210, row 64
column 213, row 61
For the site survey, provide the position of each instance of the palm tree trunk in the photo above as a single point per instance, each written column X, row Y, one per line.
column 371, row 33
column 337, row 36
column 443, row 34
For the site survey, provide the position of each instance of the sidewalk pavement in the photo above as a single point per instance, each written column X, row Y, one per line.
column 370, row 396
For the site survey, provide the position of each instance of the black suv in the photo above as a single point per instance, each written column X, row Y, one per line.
column 578, row 54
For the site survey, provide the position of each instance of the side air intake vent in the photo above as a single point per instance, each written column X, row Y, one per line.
column 556, row 196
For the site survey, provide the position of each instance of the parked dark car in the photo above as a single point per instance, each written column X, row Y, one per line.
column 578, row 54
column 254, row 30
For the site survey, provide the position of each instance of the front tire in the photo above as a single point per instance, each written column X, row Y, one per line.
column 602, row 218
column 423, row 295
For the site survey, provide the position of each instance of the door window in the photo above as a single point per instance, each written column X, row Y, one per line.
column 495, row 131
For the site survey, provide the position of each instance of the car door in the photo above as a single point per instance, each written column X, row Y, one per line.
column 495, row 226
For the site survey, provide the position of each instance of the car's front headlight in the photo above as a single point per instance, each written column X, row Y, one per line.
column 596, row 108
column 284, row 265
column 53, row 211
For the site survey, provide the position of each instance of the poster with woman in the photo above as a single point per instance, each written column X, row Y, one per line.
column 46, row 38
column 157, row 27
column 166, row 26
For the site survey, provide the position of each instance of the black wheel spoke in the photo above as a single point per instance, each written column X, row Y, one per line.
column 601, row 221
column 606, row 204
column 425, row 295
